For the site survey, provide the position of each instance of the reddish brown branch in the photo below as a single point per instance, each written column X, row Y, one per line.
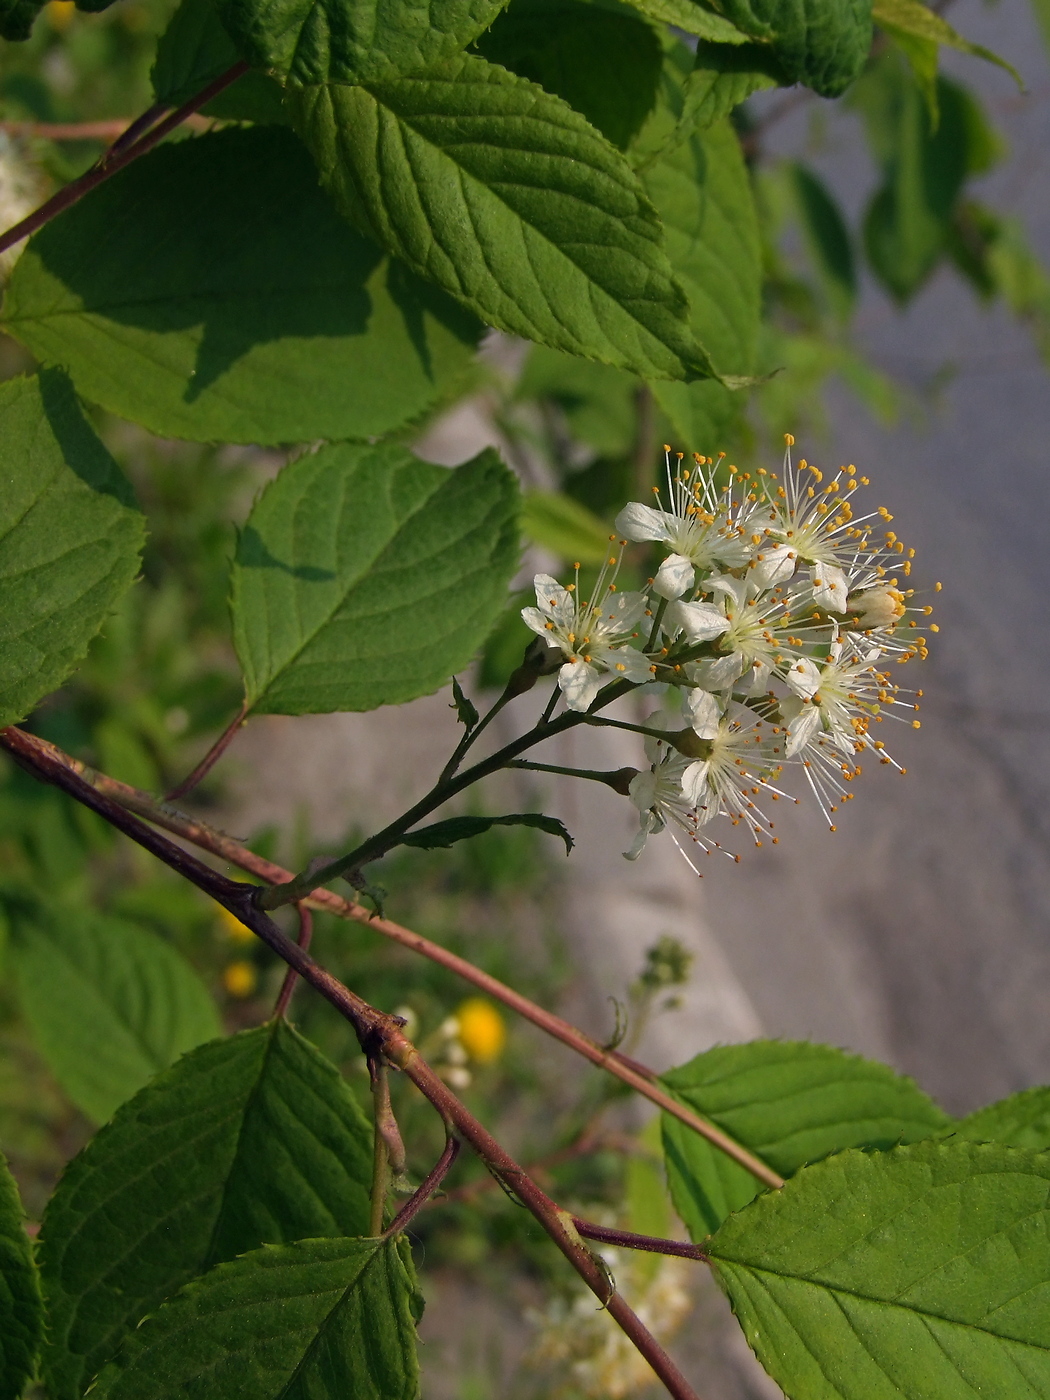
column 639, row 1077
column 378, row 1033
column 626, row 1239
column 109, row 165
column 306, row 933
column 431, row 1182
column 211, row 758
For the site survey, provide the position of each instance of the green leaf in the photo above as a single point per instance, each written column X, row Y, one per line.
column 908, row 221
column 566, row 528
column 692, row 18
column 193, row 51
column 701, row 190
column 245, row 1141
column 923, row 1272
column 466, row 710
column 70, row 539
column 366, row 577
column 828, row 238
column 21, row 1310
column 723, row 76
column 1022, row 1120
column 790, row 1103
column 315, row 1320
column 17, row 17
column 109, row 1002
column 704, row 417
column 510, row 201
column 605, row 63
column 912, row 19
column 822, row 43
column 447, row 833
column 304, row 42
column 1021, row 278
column 211, row 292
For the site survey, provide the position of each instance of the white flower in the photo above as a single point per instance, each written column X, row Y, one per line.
column 705, row 527
column 593, row 636
column 740, row 762
column 837, row 699
column 748, row 631
column 657, row 794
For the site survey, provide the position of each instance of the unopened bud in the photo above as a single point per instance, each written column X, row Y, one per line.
column 539, row 660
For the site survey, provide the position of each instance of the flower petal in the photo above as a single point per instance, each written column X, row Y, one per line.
column 719, row 672
column 802, row 729
column 702, row 713
column 773, row 564
column 579, row 683
column 674, row 576
column 829, row 587
column 701, row 622
column 803, row 677
column 532, row 617
column 638, row 522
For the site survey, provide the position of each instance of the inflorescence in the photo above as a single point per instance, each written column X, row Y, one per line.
column 766, row 632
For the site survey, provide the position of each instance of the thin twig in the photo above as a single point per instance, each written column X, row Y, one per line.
column 306, row 933
column 77, row 189
column 431, row 1182
column 208, row 762
column 627, row 1239
column 379, row 1034
column 630, row 1071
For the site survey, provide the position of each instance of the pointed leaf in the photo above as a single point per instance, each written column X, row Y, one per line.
column 447, row 833
column 1022, row 1120
column 691, row 18
column 193, row 51
column 366, row 577
column 352, row 41
column 245, row 1141
column 21, row 1310
column 70, row 539
column 109, row 1002
column 604, row 63
column 510, row 201
column 316, row 1320
column 211, row 292
column 923, row 1272
column 915, row 20
column 723, row 76
column 702, row 192
column 828, row 237
column 790, row 1103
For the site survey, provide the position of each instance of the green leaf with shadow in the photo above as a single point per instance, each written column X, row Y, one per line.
column 246, row 1141
column 70, row 538
column 366, row 577
column 211, row 292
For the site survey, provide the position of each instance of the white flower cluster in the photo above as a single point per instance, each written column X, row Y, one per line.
column 767, row 627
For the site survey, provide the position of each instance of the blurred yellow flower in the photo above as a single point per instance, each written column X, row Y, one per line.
column 240, row 933
column 482, row 1030
column 60, row 12
column 239, row 979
